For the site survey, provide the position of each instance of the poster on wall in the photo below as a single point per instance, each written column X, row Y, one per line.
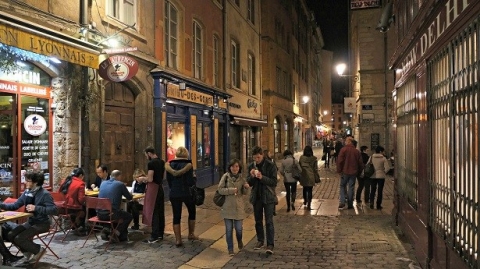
column 349, row 105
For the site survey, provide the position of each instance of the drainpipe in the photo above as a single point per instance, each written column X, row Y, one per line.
column 226, row 135
column 84, row 132
column 387, row 139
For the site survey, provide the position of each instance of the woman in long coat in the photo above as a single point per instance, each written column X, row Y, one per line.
column 234, row 187
column 309, row 164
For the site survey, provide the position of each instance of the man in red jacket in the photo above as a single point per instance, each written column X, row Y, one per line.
column 349, row 165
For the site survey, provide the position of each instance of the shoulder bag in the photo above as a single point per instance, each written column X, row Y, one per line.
column 296, row 172
column 198, row 194
column 369, row 169
column 219, row 199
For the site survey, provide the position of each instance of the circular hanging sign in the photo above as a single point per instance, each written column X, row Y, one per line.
column 35, row 125
column 118, row 68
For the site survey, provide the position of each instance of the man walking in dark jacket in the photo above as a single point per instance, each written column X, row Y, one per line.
column 262, row 177
column 349, row 164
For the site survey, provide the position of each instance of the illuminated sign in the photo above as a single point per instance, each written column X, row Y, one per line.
column 13, row 87
column 189, row 95
column 118, row 68
column 46, row 46
column 35, row 125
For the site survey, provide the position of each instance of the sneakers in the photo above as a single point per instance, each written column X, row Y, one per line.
column 240, row 245
column 269, row 250
column 231, row 253
column 341, row 206
column 135, row 227
column 152, row 240
column 258, row 245
column 37, row 256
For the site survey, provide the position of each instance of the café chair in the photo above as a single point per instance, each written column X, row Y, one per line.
column 101, row 204
column 66, row 214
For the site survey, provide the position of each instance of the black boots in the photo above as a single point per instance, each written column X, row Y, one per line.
column 8, row 258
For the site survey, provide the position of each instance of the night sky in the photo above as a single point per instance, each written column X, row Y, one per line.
column 331, row 16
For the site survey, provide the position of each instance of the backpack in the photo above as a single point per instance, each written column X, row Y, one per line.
column 296, row 172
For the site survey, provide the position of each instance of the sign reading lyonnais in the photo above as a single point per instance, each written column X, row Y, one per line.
column 35, row 43
column 13, row 87
column 189, row 95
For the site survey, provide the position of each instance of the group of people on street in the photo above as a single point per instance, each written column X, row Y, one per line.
column 350, row 164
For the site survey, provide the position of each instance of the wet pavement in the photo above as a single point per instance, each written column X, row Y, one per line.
column 324, row 237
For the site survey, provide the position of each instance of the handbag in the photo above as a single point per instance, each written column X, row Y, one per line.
column 316, row 175
column 219, row 199
column 198, row 195
column 296, row 172
column 369, row 169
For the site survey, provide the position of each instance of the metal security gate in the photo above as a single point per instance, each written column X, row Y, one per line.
column 453, row 94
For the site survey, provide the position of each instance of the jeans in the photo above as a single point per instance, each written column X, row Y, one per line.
column 259, row 209
column 158, row 218
column 291, row 189
column 363, row 183
column 350, row 181
column 22, row 236
column 122, row 227
column 307, row 194
column 177, row 208
column 229, row 225
column 380, row 182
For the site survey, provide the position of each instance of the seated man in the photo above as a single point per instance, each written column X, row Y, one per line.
column 7, row 257
column 134, row 207
column 39, row 202
column 74, row 190
column 113, row 189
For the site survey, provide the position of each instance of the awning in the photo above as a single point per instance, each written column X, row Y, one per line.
column 248, row 121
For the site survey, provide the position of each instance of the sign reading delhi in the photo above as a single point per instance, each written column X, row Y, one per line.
column 118, row 68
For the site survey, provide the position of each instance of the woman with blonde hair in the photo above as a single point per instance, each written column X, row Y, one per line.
column 234, row 186
column 180, row 178
column 134, row 207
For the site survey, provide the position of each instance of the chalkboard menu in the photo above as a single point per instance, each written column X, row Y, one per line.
column 374, row 141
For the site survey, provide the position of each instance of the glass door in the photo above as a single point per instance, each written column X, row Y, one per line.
column 8, row 141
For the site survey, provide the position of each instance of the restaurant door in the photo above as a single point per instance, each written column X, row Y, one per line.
column 7, row 145
column 119, row 130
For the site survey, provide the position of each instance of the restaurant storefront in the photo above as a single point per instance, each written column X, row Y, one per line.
column 437, row 143
column 32, row 85
column 25, row 127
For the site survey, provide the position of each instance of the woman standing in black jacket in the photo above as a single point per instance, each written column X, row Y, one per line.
column 363, row 181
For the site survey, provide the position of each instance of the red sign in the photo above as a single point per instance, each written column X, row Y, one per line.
column 118, row 68
column 13, row 87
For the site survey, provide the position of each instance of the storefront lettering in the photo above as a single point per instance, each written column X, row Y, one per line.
column 356, row 4
column 36, row 43
column 449, row 13
column 9, row 86
column 6, row 165
column 189, row 95
column 251, row 103
column 234, row 105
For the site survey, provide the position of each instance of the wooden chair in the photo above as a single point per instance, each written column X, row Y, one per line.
column 101, row 204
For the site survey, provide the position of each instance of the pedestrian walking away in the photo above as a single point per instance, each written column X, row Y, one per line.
column 349, row 164
column 382, row 166
column 262, row 177
column 290, row 183
column 363, row 182
column 309, row 165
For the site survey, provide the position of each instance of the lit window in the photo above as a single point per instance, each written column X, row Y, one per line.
column 123, row 10
column 171, row 35
column 197, row 50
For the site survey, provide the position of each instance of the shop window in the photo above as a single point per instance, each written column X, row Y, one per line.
column 123, row 10
column 34, row 136
column 7, row 140
column 175, row 138
column 276, row 135
column 203, row 144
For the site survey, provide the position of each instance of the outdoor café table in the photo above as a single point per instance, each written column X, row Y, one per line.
column 136, row 196
column 13, row 215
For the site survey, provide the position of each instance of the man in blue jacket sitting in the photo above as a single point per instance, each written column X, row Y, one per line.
column 39, row 202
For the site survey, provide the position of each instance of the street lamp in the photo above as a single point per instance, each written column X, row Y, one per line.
column 305, row 99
